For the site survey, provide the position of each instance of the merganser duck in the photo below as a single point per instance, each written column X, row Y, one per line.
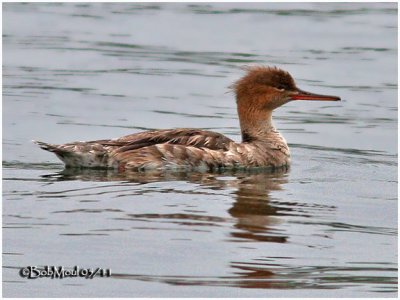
column 258, row 93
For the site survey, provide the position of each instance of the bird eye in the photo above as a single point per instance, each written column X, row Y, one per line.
column 281, row 87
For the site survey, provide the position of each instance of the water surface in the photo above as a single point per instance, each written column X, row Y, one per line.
column 325, row 228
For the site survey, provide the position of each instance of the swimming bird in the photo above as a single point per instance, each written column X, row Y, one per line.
column 258, row 93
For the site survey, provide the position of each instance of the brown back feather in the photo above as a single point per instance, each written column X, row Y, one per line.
column 186, row 137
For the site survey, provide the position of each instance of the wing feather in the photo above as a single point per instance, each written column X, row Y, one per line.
column 183, row 136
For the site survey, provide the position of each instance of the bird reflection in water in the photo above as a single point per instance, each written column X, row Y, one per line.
column 253, row 215
column 253, row 210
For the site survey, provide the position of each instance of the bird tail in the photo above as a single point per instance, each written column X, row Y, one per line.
column 77, row 155
column 47, row 147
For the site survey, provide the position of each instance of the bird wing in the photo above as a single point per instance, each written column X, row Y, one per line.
column 178, row 147
column 182, row 136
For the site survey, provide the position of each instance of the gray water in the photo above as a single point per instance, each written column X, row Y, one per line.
column 325, row 228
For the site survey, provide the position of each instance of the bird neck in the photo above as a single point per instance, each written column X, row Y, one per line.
column 255, row 125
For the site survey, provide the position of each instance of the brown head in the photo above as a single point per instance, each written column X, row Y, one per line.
column 262, row 90
column 269, row 87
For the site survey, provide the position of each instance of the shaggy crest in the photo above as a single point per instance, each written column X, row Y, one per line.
column 264, row 76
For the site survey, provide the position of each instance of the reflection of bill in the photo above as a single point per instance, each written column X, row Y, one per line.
column 34, row 272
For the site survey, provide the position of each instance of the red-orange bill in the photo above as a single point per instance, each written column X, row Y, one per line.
column 303, row 95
